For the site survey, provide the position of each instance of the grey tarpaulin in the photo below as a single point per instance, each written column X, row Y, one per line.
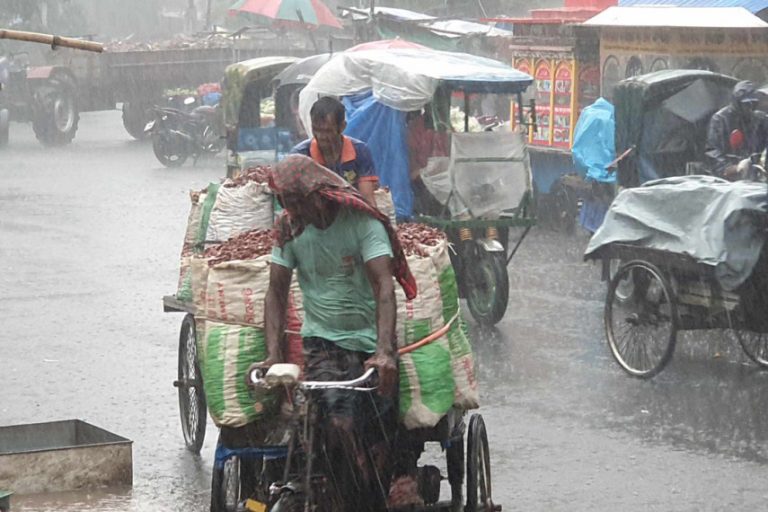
column 716, row 222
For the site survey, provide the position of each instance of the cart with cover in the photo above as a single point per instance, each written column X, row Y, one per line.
column 484, row 186
column 661, row 126
column 693, row 258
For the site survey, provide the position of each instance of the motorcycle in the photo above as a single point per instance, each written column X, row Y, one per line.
column 178, row 134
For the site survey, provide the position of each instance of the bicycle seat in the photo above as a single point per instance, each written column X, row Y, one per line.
column 282, row 374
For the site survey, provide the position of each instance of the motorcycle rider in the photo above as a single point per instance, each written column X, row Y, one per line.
column 738, row 123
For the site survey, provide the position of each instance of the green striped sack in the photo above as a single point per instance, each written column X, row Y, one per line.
column 197, row 227
column 462, row 359
column 225, row 352
column 426, row 377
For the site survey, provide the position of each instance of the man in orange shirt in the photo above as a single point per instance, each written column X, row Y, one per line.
column 349, row 158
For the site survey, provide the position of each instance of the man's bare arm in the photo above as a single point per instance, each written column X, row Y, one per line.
column 379, row 272
column 275, row 310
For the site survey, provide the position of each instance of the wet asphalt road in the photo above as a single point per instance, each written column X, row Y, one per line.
column 89, row 242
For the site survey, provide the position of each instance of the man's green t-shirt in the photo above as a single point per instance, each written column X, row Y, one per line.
column 330, row 263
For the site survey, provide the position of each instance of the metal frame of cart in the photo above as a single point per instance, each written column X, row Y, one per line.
column 655, row 294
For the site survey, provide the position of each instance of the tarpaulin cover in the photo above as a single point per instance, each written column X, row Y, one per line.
column 716, row 222
column 406, row 79
column 383, row 129
column 594, row 145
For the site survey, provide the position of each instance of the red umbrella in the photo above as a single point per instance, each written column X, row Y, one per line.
column 313, row 12
column 387, row 44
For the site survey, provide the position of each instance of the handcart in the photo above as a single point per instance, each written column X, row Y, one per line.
column 657, row 293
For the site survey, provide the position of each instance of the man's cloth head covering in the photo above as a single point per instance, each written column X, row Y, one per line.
column 301, row 176
column 745, row 91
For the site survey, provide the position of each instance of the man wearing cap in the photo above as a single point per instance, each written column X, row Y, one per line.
column 736, row 131
column 349, row 158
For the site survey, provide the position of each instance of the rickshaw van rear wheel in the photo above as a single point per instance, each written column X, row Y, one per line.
column 642, row 330
column 479, row 488
column 487, row 285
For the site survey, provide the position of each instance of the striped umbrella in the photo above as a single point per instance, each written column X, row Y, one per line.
column 313, row 12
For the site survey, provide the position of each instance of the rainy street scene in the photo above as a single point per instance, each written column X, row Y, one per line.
column 368, row 255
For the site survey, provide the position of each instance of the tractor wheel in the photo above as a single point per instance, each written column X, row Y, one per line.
column 56, row 114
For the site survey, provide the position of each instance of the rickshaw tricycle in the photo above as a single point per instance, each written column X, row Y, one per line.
column 481, row 180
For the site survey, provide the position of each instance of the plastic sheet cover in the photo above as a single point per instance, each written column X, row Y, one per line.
column 716, row 222
column 594, row 145
column 404, row 79
column 383, row 130
column 490, row 173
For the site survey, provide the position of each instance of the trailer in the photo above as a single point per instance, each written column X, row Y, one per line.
column 52, row 96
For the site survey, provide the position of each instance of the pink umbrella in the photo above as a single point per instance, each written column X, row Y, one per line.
column 387, row 44
column 313, row 12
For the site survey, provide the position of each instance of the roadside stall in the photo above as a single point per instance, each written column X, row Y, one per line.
column 483, row 184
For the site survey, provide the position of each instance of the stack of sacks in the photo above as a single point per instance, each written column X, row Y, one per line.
column 441, row 374
column 221, row 211
column 229, row 285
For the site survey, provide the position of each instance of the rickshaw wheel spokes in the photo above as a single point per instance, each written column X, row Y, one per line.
column 192, row 405
column 479, row 488
column 755, row 345
column 641, row 329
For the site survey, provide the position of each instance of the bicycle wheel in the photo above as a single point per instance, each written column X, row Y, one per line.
column 755, row 345
column 192, row 405
column 642, row 330
column 225, row 486
column 454, row 456
column 479, row 489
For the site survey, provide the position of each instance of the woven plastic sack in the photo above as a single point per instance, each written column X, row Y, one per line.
column 235, row 291
column 462, row 359
column 427, row 388
column 225, row 352
column 384, row 203
column 184, row 289
column 240, row 209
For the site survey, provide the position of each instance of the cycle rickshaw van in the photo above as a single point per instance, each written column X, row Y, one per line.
column 661, row 121
column 250, row 139
column 480, row 183
column 693, row 257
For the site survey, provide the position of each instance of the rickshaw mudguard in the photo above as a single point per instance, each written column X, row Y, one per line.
column 490, row 245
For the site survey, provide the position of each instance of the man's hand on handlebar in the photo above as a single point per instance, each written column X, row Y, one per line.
column 261, row 365
column 386, row 365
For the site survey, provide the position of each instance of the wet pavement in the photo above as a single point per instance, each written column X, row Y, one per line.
column 89, row 242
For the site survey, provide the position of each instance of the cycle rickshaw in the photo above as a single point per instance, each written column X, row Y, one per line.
column 482, row 180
